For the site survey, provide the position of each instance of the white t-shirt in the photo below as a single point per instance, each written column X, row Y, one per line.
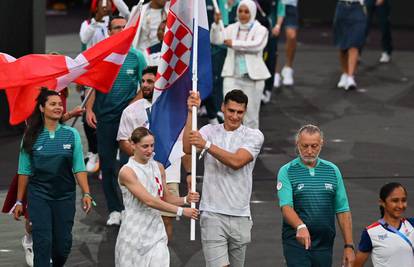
column 225, row 190
column 387, row 248
column 134, row 116
column 150, row 23
column 92, row 32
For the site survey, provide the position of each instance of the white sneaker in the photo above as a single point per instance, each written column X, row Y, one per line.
column 350, row 83
column 266, row 96
column 342, row 81
column 385, row 57
column 28, row 250
column 114, row 218
column 93, row 162
column 287, row 76
column 276, row 81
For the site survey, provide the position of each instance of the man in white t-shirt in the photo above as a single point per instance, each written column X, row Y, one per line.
column 153, row 14
column 230, row 152
column 136, row 115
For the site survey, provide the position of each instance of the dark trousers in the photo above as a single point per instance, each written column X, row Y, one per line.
column 89, row 131
column 52, row 223
column 383, row 14
column 300, row 257
column 107, row 148
column 90, row 136
column 213, row 102
column 270, row 55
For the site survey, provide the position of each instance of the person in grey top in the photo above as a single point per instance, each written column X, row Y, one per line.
column 231, row 150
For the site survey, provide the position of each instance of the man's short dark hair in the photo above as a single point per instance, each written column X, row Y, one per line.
column 112, row 18
column 236, row 95
column 150, row 69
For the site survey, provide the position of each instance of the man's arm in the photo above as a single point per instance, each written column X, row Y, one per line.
column 235, row 160
column 345, row 223
column 124, row 132
column 126, row 147
column 90, row 115
column 292, row 218
column 285, row 195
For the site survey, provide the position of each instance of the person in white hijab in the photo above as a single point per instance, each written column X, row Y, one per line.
column 244, row 67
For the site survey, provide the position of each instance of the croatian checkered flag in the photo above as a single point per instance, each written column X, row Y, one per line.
column 181, row 69
column 174, row 77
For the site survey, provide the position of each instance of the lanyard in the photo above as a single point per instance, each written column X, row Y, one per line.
column 395, row 231
column 148, row 111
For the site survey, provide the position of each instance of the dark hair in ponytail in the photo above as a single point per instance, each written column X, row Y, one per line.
column 386, row 190
column 35, row 123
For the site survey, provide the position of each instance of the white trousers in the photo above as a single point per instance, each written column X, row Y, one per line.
column 253, row 90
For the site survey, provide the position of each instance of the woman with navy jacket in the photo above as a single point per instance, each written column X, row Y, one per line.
column 50, row 159
column 389, row 240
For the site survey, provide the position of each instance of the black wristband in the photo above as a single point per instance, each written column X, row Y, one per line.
column 349, row 246
column 188, row 173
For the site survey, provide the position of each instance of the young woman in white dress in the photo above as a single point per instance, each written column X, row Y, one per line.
column 142, row 240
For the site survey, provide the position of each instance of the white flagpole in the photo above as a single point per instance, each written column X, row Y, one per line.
column 194, row 109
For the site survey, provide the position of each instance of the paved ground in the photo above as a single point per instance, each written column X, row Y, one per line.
column 368, row 134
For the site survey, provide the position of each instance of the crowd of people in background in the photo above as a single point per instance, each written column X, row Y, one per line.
column 244, row 38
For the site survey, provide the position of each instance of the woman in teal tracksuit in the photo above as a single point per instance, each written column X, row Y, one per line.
column 50, row 157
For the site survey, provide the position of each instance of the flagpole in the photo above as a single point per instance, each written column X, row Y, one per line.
column 194, row 109
column 83, row 104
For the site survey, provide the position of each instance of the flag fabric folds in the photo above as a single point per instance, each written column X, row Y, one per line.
column 174, row 77
column 96, row 67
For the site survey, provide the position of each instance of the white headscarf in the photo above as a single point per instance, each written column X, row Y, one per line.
column 251, row 5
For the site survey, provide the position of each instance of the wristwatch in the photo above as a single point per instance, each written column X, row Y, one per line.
column 349, row 246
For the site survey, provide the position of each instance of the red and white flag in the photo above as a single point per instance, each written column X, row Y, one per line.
column 96, row 67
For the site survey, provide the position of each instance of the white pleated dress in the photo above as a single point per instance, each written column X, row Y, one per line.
column 142, row 240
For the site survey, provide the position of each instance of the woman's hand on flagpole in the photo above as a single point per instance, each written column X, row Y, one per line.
column 193, row 197
column 193, row 100
column 191, row 213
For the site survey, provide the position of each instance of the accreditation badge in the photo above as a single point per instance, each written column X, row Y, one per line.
column 279, row 185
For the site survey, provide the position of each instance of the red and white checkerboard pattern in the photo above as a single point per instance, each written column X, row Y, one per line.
column 175, row 52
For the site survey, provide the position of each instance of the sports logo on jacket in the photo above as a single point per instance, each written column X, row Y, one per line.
column 329, row 186
column 67, row 146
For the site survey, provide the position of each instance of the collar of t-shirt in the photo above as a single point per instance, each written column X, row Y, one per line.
column 311, row 169
column 52, row 133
